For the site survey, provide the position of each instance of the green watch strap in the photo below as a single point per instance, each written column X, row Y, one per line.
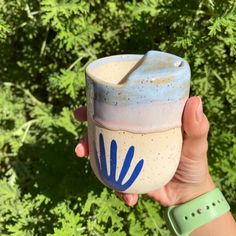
column 183, row 219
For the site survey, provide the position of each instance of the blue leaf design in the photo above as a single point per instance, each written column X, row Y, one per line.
column 110, row 180
column 135, row 174
column 126, row 165
column 103, row 156
column 113, row 150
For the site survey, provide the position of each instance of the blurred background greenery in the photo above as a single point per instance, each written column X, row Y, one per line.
column 45, row 46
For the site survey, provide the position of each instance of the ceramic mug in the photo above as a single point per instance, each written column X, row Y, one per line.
column 134, row 126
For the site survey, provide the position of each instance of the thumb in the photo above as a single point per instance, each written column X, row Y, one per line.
column 196, row 127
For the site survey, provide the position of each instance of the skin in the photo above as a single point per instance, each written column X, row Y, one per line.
column 192, row 178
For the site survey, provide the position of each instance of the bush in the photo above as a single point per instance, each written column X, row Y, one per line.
column 45, row 46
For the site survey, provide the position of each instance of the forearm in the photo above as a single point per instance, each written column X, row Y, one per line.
column 223, row 225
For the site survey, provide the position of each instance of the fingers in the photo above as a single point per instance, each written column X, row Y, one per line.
column 196, row 127
column 195, row 123
column 82, row 149
column 129, row 199
column 80, row 114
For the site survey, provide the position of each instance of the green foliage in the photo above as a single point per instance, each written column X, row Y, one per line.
column 4, row 29
column 45, row 47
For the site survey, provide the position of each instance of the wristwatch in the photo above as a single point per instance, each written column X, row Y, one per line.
column 183, row 219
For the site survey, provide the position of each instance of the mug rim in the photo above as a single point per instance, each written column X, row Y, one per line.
column 184, row 66
column 107, row 59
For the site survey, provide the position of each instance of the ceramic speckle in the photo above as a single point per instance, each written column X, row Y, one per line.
column 122, row 104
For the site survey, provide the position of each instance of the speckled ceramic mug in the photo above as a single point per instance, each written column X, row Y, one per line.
column 134, row 123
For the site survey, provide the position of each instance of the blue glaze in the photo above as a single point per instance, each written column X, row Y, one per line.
column 144, row 85
column 110, row 180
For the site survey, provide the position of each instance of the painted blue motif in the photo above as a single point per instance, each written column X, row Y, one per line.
column 110, row 180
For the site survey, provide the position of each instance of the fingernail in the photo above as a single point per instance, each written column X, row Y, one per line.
column 128, row 199
column 199, row 111
column 79, row 150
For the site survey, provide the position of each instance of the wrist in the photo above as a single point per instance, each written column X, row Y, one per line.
column 197, row 189
column 185, row 218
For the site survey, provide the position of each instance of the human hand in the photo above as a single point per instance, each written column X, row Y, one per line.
column 192, row 177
